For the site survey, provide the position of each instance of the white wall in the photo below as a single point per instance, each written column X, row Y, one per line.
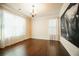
column 0, row 25
column 40, row 27
column 72, row 49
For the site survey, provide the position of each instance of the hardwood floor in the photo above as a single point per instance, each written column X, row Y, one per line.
column 35, row 47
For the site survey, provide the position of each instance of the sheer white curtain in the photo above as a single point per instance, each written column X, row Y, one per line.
column 53, row 29
column 53, row 26
column 13, row 25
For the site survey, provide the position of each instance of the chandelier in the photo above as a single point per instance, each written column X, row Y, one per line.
column 33, row 11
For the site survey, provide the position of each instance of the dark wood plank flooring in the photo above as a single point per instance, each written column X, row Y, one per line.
column 35, row 47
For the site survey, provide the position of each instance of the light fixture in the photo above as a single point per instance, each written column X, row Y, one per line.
column 33, row 11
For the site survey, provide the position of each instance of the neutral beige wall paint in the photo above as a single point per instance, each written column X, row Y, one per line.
column 0, row 24
column 58, row 28
column 30, row 27
column 40, row 28
column 63, row 8
column 72, row 49
column 13, row 40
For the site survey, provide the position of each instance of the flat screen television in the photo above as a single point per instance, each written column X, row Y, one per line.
column 70, row 24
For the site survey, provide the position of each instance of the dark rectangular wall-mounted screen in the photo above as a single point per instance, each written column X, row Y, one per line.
column 70, row 24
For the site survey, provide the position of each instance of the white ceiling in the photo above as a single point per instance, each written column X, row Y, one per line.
column 41, row 9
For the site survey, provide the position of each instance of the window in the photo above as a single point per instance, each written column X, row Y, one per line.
column 52, row 26
column 13, row 25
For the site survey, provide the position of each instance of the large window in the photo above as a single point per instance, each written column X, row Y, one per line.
column 13, row 25
column 53, row 26
column 53, row 29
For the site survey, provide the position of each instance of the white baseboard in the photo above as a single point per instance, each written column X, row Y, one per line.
column 42, row 38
